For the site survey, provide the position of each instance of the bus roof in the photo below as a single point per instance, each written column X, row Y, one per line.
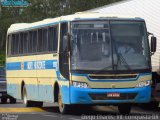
column 77, row 16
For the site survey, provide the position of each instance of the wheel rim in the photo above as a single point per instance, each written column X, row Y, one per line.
column 60, row 104
column 24, row 96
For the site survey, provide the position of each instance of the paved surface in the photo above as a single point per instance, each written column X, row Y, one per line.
column 50, row 112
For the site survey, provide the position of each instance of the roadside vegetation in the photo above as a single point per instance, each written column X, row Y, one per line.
column 39, row 10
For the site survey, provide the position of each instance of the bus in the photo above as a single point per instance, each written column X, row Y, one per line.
column 80, row 59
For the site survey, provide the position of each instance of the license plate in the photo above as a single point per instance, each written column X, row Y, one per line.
column 113, row 94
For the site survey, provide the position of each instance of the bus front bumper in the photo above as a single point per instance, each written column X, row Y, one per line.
column 99, row 96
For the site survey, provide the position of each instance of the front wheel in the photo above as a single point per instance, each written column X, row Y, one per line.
column 63, row 108
column 124, row 108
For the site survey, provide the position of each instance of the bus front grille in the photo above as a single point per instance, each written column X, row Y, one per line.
column 105, row 77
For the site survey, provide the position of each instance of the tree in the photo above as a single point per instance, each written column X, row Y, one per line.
column 41, row 9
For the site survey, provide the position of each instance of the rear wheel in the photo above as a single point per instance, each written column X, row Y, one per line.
column 3, row 100
column 124, row 108
column 63, row 108
column 29, row 103
column 25, row 100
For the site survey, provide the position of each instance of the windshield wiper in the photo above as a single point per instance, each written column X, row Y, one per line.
column 122, row 59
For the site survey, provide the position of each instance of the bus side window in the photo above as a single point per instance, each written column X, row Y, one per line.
column 34, row 42
column 12, row 44
column 52, row 39
column 21, row 45
column 25, row 42
column 55, row 45
column 16, row 44
column 45, row 40
column 30, row 42
column 64, row 30
column 40, row 41
column 9, row 45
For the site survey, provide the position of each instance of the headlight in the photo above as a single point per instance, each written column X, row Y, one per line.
column 144, row 83
column 80, row 84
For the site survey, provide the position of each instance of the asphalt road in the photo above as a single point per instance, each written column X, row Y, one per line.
column 50, row 112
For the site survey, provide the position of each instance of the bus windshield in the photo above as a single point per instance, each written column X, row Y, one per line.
column 109, row 45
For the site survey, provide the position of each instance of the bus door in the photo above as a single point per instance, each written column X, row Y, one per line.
column 64, row 65
column 63, row 55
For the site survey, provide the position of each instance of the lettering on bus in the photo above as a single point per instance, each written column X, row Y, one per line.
column 37, row 65
column 30, row 66
column 40, row 65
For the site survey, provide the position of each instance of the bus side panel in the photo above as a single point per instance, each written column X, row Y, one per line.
column 29, row 76
column 19, row 71
column 45, row 89
column 32, row 88
column 47, row 76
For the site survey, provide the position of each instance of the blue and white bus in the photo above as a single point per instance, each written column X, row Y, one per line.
column 80, row 59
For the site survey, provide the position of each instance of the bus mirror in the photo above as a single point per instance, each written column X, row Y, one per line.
column 66, row 42
column 153, row 44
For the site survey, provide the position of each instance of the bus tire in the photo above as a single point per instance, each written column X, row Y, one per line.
column 25, row 100
column 63, row 108
column 124, row 108
column 12, row 100
column 3, row 100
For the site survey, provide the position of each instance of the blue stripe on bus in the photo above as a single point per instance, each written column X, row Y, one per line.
column 32, row 65
column 35, row 65
column 13, row 66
